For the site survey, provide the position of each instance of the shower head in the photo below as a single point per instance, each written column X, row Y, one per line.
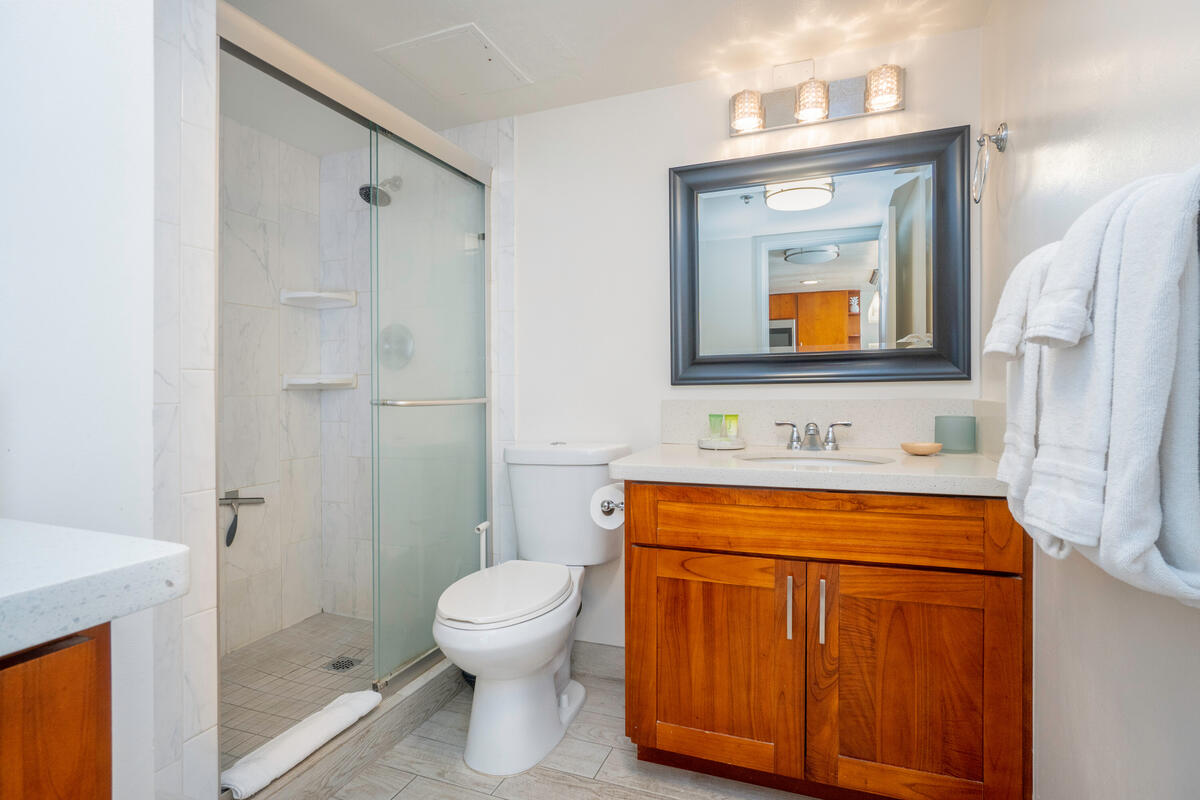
column 377, row 194
column 373, row 195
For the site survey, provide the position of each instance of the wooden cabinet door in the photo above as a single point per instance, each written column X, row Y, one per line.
column 821, row 321
column 915, row 682
column 720, row 677
column 55, row 722
column 781, row 306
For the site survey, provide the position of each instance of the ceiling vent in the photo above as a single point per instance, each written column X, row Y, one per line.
column 457, row 61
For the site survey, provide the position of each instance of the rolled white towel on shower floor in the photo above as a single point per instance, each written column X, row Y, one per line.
column 258, row 768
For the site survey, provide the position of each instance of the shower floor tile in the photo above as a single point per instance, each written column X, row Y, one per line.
column 269, row 685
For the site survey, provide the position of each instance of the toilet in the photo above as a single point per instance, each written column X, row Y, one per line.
column 512, row 625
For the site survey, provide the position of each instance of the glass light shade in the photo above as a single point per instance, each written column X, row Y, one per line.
column 883, row 88
column 812, row 100
column 822, row 254
column 747, row 113
column 802, row 195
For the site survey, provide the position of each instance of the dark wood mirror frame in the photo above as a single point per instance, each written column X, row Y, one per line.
column 950, row 356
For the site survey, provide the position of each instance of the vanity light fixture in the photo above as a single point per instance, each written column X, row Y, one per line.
column 747, row 112
column 883, row 88
column 812, row 100
column 822, row 254
column 802, row 195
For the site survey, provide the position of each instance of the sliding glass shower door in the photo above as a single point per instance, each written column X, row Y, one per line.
column 429, row 289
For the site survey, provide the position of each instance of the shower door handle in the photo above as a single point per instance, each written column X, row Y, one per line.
column 465, row 401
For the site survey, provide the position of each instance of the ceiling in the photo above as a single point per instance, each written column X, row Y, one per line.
column 570, row 51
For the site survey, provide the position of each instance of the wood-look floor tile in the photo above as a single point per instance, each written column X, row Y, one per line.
column 623, row 769
column 577, row 757
column 540, row 783
column 427, row 789
column 602, row 660
column 437, row 760
column 448, row 725
column 604, row 695
column 375, row 782
column 601, row 729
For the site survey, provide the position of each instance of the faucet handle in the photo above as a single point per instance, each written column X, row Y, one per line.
column 795, row 439
column 831, row 440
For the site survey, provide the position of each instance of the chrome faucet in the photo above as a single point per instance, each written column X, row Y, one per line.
column 830, row 439
column 811, row 441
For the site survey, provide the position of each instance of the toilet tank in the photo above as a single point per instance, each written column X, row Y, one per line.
column 552, row 484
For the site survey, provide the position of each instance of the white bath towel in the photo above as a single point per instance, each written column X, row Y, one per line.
column 258, row 768
column 1066, row 489
column 1063, row 314
column 1006, row 339
column 1151, row 526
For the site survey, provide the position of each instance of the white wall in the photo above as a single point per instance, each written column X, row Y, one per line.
column 1096, row 94
column 77, row 258
column 593, row 334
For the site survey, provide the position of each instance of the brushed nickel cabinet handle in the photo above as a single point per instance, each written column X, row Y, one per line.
column 789, row 607
column 821, row 613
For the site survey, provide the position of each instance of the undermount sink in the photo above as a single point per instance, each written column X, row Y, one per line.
column 797, row 459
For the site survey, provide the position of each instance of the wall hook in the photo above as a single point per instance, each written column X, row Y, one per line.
column 983, row 158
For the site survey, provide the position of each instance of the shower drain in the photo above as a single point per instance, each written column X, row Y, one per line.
column 342, row 663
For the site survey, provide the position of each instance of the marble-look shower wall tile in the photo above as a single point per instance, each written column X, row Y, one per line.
column 167, row 501
column 301, row 570
column 197, row 187
column 299, row 179
column 197, row 433
column 249, row 441
column 166, row 312
column 166, row 128
column 299, row 340
column 199, row 516
column 335, row 452
column 249, row 171
column 198, row 48
column 300, row 421
column 199, row 779
column 168, row 683
column 199, row 672
column 249, row 260
column 198, row 300
column 300, row 499
column 250, row 350
column 299, row 241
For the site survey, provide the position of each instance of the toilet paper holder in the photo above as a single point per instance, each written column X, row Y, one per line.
column 607, row 507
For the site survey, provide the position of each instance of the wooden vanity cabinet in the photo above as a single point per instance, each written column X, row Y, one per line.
column 874, row 643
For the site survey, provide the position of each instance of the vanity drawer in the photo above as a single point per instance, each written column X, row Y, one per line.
column 918, row 530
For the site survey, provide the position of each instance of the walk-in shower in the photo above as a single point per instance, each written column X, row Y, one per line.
column 352, row 399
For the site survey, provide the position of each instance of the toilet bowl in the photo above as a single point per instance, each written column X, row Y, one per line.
column 524, row 697
column 513, row 625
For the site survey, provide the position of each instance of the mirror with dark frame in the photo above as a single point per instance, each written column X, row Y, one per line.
column 840, row 263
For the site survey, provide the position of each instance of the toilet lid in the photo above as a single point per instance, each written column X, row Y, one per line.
column 506, row 591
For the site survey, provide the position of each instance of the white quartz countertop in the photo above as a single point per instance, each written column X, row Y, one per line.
column 970, row 475
column 55, row 581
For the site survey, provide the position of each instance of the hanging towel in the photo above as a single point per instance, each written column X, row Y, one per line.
column 1007, row 339
column 1066, row 489
column 1151, row 526
column 1063, row 314
column 261, row 766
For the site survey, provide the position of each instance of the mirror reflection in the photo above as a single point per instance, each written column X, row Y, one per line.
column 827, row 264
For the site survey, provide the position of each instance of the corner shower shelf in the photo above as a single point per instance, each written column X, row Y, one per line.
column 309, row 299
column 292, row 383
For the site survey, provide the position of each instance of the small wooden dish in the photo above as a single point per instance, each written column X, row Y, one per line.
column 921, row 448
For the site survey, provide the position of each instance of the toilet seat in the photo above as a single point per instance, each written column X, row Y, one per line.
column 504, row 595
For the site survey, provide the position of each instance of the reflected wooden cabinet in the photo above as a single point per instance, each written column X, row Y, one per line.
column 902, row 675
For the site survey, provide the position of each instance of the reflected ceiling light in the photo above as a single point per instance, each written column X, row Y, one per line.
column 812, row 101
column 747, row 113
column 809, row 283
column 883, row 88
column 799, row 195
column 822, row 254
